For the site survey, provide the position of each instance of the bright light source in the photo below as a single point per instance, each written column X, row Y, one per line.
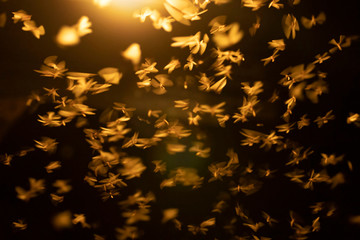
column 102, row 3
column 126, row 4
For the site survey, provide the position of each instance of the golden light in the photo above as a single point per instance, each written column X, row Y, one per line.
column 125, row 4
column 67, row 36
column 133, row 53
column 70, row 35
column 102, row 3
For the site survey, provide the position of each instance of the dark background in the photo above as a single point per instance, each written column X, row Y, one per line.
column 113, row 31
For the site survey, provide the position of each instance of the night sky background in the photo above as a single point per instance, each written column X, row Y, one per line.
column 114, row 29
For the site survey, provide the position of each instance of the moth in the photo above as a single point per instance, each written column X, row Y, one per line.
column 309, row 23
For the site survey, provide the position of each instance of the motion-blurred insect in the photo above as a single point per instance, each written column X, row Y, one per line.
column 309, row 23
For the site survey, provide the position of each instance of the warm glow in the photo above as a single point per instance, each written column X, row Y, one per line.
column 70, row 35
column 67, row 36
column 126, row 4
column 102, row 3
column 133, row 53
